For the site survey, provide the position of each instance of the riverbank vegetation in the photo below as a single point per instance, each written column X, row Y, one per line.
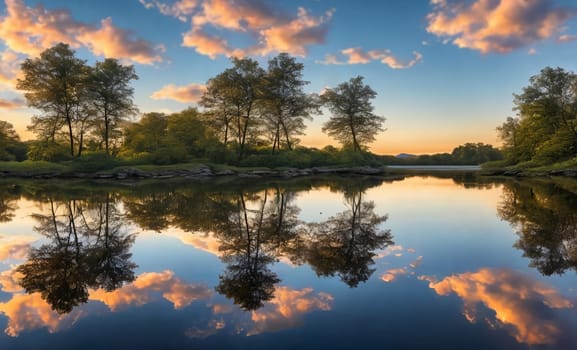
column 248, row 116
column 543, row 135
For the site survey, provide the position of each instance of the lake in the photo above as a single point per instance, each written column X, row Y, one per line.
column 438, row 261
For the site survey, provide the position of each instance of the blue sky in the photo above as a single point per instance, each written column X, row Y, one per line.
column 444, row 70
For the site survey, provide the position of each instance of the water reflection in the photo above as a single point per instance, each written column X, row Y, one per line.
column 516, row 302
column 254, row 281
column 544, row 217
column 244, row 237
column 8, row 198
column 345, row 244
column 87, row 248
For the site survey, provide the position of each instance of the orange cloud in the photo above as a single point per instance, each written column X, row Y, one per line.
column 286, row 309
column 293, row 37
column 356, row 55
column 29, row 31
column 12, row 103
column 9, row 68
column 109, row 41
column 520, row 303
column 30, row 311
column 139, row 292
column 185, row 94
column 496, row 25
column 15, row 247
column 270, row 29
column 9, row 281
column 392, row 274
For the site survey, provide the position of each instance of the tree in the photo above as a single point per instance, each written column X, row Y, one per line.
column 345, row 244
column 285, row 103
column 236, row 91
column 111, row 97
column 9, row 142
column 353, row 123
column 188, row 129
column 56, row 84
column 219, row 109
column 475, row 153
column 546, row 127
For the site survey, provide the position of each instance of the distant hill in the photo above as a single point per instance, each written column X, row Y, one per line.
column 405, row 156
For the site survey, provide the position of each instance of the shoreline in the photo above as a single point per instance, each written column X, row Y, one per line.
column 205, row 172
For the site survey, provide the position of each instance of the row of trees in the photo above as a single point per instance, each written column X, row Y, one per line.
column 76, row 101
column 545, row 129
column 88, row 247
column 245, row 107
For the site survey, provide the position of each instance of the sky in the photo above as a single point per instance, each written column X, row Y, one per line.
column 445, row 71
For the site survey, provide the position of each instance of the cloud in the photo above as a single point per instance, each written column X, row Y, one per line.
column 496, row 25
column 565, row 38
column 294, row 36
column 179, row 9
column 9, row 68
column 30, row 311
column 356, row 55
column 14, row 103
column 518, row 303
column 185, row 94
column 140, row 292
column 15, row 247
column 31, row 30
column 287, row 308
column 109, row 41
column 392, row 274
column 268, row 28
column 206, row 44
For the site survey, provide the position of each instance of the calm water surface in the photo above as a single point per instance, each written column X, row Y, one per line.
column 429, row 262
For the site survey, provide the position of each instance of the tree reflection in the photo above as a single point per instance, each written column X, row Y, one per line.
column 87, row 248
column 345, row 244
column 8, row 198
column 545, row 219
column 247, row 280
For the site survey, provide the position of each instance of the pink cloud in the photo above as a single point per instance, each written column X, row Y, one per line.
column 30, row 30
column 206, row 44
column 185, row 94
column 270, row 28
column 517, row 302
column 287, row 309
column 109, row 41
column 140, row 292
column 496, row 25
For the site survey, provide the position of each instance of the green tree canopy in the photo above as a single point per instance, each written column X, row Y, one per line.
column 111, row 96
column 10, row 146
column 353, row 122
column 545, row 129
column 285, row 104
column 56, row 84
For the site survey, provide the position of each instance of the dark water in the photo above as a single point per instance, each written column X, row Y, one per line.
column 437, row 262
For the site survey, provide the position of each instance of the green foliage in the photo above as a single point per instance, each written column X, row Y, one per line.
column 475, row 153
column 56, row 84
column 48, row 151
column 10, row 146
column 79, row 103
column 93, row 162
column 353, row 123
column 111, row 99
column 545, row 130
